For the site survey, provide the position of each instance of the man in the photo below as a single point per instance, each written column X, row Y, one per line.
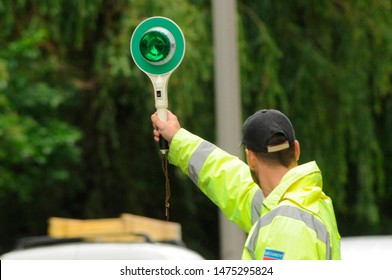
column 279, row 203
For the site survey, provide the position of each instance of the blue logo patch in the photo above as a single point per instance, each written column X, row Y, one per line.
column 270, row 254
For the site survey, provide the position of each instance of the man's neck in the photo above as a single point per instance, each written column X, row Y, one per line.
column 271, row 177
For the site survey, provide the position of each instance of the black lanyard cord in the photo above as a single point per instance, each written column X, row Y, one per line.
column 167, row 184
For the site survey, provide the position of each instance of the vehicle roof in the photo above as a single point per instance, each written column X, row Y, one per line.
column 105, row 251
column 360, row 247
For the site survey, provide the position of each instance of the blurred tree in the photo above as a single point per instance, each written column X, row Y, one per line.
column 79, row 64
column 328, row 65
column 38, row 153
column 75, row 131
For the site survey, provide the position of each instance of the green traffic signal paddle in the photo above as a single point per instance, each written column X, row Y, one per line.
column 158, row 47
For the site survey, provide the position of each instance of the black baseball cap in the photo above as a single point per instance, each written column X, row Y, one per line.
column 262, row 125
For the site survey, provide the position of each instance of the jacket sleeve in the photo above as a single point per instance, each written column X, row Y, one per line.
column 224, row 178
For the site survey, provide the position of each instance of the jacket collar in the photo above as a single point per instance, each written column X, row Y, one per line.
column 302, row 185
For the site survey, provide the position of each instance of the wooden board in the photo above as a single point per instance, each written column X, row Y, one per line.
column 127, row 227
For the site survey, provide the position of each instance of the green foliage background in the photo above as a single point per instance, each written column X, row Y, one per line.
column 75, row 131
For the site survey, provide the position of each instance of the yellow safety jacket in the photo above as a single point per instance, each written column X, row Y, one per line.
column 296, row 220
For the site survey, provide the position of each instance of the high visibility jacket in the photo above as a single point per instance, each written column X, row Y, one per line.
column 295, row 221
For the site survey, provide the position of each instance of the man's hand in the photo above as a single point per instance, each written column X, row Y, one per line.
column 167, row 129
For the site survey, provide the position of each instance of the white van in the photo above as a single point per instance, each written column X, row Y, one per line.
column 128, row 237
column 81, row 250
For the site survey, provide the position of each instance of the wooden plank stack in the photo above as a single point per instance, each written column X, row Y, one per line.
column 126, row 228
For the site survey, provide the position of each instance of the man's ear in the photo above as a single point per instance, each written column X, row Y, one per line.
column 297, row 149
column 251, row 158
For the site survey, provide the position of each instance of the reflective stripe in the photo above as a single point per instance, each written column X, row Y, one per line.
column 295, row 213
column 252, row 241
column 198, row 158
column 256, row 205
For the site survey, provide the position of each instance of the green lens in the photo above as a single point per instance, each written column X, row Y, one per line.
column 155, row 46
